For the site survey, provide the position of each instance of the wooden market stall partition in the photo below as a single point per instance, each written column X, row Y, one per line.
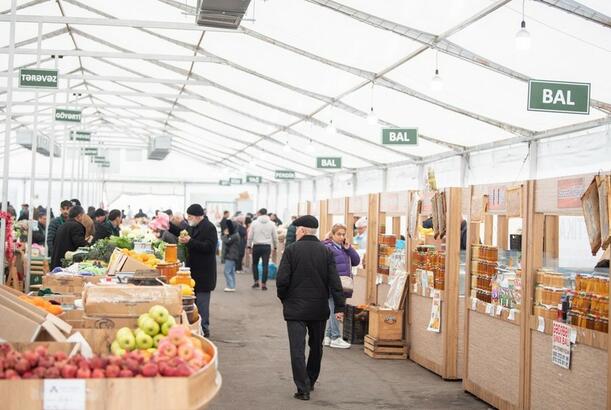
column 586, row 383
column 358, row 207
column 304, row 208
column 495, row 331
column 440, row 352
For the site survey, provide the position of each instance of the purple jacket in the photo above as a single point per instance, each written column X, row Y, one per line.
column 345, row 259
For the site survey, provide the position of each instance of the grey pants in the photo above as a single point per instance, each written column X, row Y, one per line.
column 202, row 300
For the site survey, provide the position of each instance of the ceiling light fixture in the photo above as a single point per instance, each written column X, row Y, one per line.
column 287, row 149
column 310, row 148
column 523, row 36
column 437, row 81
column 372, row 118
column 331, row 130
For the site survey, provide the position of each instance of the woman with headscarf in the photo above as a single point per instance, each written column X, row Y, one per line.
column 160, row 226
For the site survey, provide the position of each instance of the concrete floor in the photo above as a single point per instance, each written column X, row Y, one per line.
column 248, row 328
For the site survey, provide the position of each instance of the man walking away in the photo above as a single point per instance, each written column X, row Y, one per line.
column 200, row 242
column 306, row 277
column 261, row 237
column 56, row 223
column 70, row 236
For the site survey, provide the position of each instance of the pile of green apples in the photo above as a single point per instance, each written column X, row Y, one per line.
column 152, row 328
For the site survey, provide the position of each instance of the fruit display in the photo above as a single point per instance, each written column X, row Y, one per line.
column 146, row 258
column 152, row 328
column 183, row 278
column 43, row 304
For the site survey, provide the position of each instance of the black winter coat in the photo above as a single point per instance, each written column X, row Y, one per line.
column 201, row 256
column 38, row 236
column 305, row 277
column 69, row 237
column 105, row 230
column 231, row 247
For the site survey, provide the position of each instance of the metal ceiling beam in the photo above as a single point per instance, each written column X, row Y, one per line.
column 578, row 9
column 433, row 41
column 24, row 6
column 114, row 93
column 87, row 105
column 106, row 54
column 128, row 79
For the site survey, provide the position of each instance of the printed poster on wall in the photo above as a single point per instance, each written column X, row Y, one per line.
column 561, row 345
column 569, row 193
column 496, row 198
column 435, row 322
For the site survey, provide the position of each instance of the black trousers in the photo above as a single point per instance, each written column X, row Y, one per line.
column 260, row 252
column 305, row 375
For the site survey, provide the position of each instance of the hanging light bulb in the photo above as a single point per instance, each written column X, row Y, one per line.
column 523, row 36
column 437, row 81
column 372, row 118
column 287, row 149
column 331, row 130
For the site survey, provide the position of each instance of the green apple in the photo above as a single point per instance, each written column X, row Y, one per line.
column 116, row 349
column 157, row 339
column 143, row 317
column 125, row 338
column 144, row 341
column 159, row 313
column 150, row 327
column 165, row 328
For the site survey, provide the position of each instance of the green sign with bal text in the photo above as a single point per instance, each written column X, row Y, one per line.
column 328, row 162
column 400, row 136
column 558, row 96
column 37, row 78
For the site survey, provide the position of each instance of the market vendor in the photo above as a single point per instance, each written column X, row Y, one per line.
column 70, row 236
column 110, row 227
column 201, row 240
column 360, row 240
column 38, row 235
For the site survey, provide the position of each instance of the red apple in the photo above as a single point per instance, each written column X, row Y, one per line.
column 2, row 363
column 52, row 373
column 132, row 365
column 41, row 350
column 126, row 373
column 12, row 358
column 2, row 374
column 22, row 366
column 98, row 374
column 150, row 370
column 31, row 357
column 184, row 370
column 28, row 375
column 166, row 348
column 60, row 356
column 10, row 373
column 115, row 360
column 112, row 370
column 4, row 349
column 83, row 373
column 39, row 372
column 69, row 371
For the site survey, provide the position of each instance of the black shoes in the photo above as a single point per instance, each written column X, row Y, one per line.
column 256, row 285
column 302, row 396
column 264, row 287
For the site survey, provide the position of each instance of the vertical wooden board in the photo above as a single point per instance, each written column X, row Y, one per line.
column 583, row 386
column 514, row 201
column 488, row 229
column 358, row 205
column 415, row 207
column 604, row 201
column 502, row 232
column 591, row 213
column 396, row 226
column 452, row 334
column 551, row 242
column 472, row 238
column 532, row 230
column 423, row 343
column 460, row 357
column 324, row 220
column 373, row 228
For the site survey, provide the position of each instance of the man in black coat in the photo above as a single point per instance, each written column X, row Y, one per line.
column 201, row 243
column 70, row 236
column 109, row 227
column 306, row 275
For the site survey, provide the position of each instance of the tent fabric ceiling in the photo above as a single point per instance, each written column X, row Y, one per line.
column 296, row 65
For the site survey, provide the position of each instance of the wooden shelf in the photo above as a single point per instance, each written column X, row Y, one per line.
column 482, row 307
column 588, row 337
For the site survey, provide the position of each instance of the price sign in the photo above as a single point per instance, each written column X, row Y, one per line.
column 62, row 394
column 561, row 345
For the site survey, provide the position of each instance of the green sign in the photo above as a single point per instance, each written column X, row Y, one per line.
column 36, row 78
column 252, row 179
column 65, row 115
column 556, row 96
column 235, row 181
column 80, row 136
column 400, row 136
column 90, row 151
column 105, row 164
column 329, row 162
column 224, row 182
column 285, row 174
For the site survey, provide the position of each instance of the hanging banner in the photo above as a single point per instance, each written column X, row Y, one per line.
column 37, row 78
column 570, row 192
column 284, row 174
column 328, row 162
column 399, row 136
column 496, row 198
column 252, row 179
column 65, row 115
column 561, row 345
column 435, row 322
column 80, row 136
column 557, row 96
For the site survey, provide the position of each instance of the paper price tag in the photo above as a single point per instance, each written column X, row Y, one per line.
column 512, row 314
column 499, row 309
column 573, row 335
column 489, row 309
column 541, row 327
column 473, row 304
column 64, row 394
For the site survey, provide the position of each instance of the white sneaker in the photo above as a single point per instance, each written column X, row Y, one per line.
column 326, row 341
column 340, row 343
column 228, row 290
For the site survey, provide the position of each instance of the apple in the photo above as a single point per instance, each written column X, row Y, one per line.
column 157, row 339
column 177, row 334
column 83, row 373
column 41, row 350
column 28, row 375
column 11, row 374
column 159, row 313
column 144, row 341
column 98, row 374
column 60, row 356
column 52, row 373
column 126, row 373
column 166, row 348
column 67, row 372
column 112, row 370
column 133, row 365
column 185, row 351
column 39, row 372
column 22, row 366
column 31, row 357
column 126, row 339
column 150, row 327
column 4, row 349
column 142, row 318
column 150, row 370
column 165, row 327
column 116, row 349
column 184, row 370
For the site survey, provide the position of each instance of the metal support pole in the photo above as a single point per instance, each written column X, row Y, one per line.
column 355, row 181
column 331, row 186
column 533, row 159
column 184, row 195
column 464, row 167
column 64, row 147
column 257, row 200
column 314, row 190
column 385, row 180
column 49, row 185
column 28, row 262
column 7, row 134
column 421, row 174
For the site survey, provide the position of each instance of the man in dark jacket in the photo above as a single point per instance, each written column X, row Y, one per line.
column 56, row 223
column 201, row 242
column 110, row 227
column 306, row 276
column 70, row 236
column 38, row 236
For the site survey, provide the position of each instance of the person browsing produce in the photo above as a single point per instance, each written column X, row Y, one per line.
column 70, row 236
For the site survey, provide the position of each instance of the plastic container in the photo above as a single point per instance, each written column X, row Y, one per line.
column 356, row 325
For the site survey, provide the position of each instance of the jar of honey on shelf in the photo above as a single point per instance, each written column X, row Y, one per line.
column 171, row 253
column 183, row 276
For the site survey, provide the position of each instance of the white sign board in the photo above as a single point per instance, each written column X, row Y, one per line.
column 561, row 345
column 60, row 394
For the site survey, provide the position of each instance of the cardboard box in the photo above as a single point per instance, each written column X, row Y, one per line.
column 113, row 322
column 64, row 300
column 130, row 301
column 68, row 284
column 120, row 262
column 168, row 393
column 73, row 317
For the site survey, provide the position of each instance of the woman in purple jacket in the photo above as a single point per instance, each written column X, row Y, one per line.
column 345, row 258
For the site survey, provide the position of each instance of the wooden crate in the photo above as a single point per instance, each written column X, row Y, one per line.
column 385, row 349
column 385, row 324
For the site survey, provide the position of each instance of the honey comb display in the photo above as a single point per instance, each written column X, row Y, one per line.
column 428, row 262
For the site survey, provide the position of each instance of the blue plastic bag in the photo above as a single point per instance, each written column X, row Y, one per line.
column 272, row 272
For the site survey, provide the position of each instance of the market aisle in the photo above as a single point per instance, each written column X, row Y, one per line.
column 248, row 328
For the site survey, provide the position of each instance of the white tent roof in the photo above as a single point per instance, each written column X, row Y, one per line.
column 294, row 66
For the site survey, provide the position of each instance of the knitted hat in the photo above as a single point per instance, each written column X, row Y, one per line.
column 195, row 210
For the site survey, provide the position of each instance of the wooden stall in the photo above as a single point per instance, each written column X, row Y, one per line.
column 358, row 207
column 434, row 264
column 304, row 208
column 561, row 290
column 494, row 321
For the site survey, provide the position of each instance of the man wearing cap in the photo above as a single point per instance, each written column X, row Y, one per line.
column 201, row 240
column 306, row 277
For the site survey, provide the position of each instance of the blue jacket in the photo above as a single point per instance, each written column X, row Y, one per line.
column 345, row 259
